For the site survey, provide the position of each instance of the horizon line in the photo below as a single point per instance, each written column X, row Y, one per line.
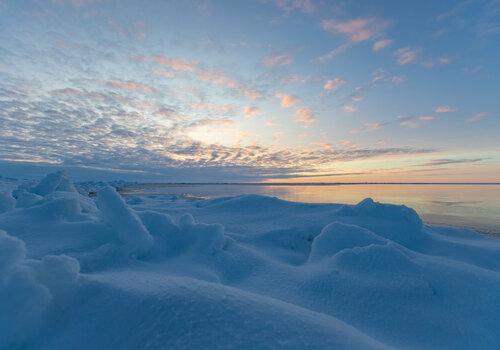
column 315, row 183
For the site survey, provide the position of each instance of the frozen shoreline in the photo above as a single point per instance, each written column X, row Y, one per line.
column 246, row 271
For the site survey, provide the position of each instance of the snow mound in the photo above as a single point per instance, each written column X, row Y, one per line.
column 28, row 287
column 337, row 236
column 7, row 202
column 395, row 222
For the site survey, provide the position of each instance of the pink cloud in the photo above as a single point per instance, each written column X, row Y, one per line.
column 250, row 112
column 287, row 100
column 445, row 109
column 333, row 84
column 359, row 29
column 177, row 64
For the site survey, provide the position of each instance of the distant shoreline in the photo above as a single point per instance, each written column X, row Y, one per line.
column 312, row 183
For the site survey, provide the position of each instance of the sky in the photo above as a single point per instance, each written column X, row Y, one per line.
column 257, row 90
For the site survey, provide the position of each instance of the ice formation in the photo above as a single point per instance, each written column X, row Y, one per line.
column 242, row 272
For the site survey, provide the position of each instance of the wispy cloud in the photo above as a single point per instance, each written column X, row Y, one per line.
column 368, row 127
column 287, row 100
column 407, row 55
column 130, row 86
column 215, row 108
column 333, row 84
column 350, row 108
column 305, row 6
column 447, row 161
column 305, row 116
column 414, row 122
column 380, row 75
column 477, row 117
column 445, row 109
column 277, row 60
column 219, row 78
column 330, row 55
column 359, row 29
column 381, row 44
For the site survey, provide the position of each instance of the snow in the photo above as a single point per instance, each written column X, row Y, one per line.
column 251, row 271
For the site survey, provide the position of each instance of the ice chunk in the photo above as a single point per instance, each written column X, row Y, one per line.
column 124, row 221
column 26, row 199
column 53, row 182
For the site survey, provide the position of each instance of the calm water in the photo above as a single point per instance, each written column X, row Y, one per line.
column 475, row 206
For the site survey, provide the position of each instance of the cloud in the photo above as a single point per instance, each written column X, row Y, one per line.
column 210, row 122
column 380, row 75
column 305, row 6
column 271, row 123
column 350, row 108
column 477, row 117
column 215, row 108
column 381, row 44
column 330, row 55
column 78, row 3
column 176, row 64
column 348, row 144
column 130, row 86
column 445, row 109
column 433, row 62
column 334, row 84
column 305, row 116
column 277, row 60
column 414, row 122
column 250, row 112
column 219, row 78
column 287, row 100
column 359, row 29
column 446, row 161
column 368, row 127
column 407, row 55
column 210, row 76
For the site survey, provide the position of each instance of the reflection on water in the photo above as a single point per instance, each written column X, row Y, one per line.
column 476, row 206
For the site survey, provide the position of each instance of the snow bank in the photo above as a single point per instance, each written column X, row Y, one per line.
column 248, row 271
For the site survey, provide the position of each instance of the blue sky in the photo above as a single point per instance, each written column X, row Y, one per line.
column 277, row 90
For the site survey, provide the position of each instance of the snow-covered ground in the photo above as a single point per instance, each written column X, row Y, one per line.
column 80, row 272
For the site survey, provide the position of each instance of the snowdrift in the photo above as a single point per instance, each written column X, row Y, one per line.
column 243, row 272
